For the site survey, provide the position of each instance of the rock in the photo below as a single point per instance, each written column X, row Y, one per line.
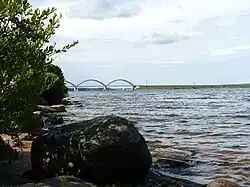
column 33, row 185
column 66, row 102
column 168, row 184
column 51, row 109
column 54, row 119
column 102, row 150
column 156, row 179
column 222, row 183
column 40, row 113
column 59, row 181
column 76, row 103
column 167, row 162
column 157, row 144
column 25, row 136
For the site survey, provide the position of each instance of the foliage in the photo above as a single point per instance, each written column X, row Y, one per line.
column 25, row 54
column 58, row 90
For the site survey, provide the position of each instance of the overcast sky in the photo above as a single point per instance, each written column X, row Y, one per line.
column 158, row 41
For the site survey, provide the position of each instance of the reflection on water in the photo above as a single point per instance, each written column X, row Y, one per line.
column 210, row 127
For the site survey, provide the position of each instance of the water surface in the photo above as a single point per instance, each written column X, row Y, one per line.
column 210, row 127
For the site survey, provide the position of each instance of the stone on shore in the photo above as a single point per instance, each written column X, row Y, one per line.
column 25, row 137
column 103, row 150
column 54, row 118
column 222, row 183
column 51, row 109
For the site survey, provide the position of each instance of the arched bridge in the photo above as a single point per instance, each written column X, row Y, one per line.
column 92, row 80
column 104, row 86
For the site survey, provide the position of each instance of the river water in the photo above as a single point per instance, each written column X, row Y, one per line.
column 209, row 127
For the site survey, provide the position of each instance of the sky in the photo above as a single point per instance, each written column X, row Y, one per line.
column 154, row 41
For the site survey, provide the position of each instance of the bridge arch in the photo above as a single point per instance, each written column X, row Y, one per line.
column 92, row 80
column 123, row 80
column 75, row 87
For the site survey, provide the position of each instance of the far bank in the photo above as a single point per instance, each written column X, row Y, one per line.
column 150, row 87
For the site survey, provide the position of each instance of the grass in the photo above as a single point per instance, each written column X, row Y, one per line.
column 150, row 87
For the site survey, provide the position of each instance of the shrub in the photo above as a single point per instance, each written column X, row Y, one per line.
column 25, row 55
column 57, row 91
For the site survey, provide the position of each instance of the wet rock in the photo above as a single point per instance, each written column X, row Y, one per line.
column 53, row 118
column 155, row 144
column 59, row 181
column 168, row 184
column 167, row 162
column 102, row 150
column 51, row 109
column 76, row 102
column 33, row 185
column 40, row 113
column 66, row 102
column 156, row 179
column 222, row 183
column 25, row 136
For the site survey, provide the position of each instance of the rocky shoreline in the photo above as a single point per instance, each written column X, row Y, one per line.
column 103, row 151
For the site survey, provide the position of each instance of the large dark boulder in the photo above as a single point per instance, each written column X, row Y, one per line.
column 102, row 150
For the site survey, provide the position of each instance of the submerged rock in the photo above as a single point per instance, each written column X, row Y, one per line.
column 156, row 179
column 59, row 181
column 66, row 102
column 54, row 118
column 51, row 109
column 168, row 162
column 103, row 150
column 222, row 183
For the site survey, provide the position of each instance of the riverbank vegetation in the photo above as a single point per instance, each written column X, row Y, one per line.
column 27, row 75
column 152, row 87
column 28, row 78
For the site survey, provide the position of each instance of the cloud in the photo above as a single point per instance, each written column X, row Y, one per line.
column 157, row 38
column 231, row 50
column 103, row 9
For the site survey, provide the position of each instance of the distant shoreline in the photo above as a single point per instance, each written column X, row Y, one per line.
column 169, row 87
column 151, row 87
